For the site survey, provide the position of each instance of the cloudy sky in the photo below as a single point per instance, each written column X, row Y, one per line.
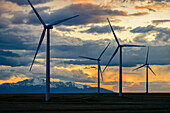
column 145, row 22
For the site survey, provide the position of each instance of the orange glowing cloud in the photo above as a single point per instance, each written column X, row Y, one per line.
column 158, row 7
column 54, row 80
column 82, row 1
column 8, row 6
column 111, row 76
column 14, row 79
column 131, row 78
column 89, row 69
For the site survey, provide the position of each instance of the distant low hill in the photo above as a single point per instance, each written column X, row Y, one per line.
column 38, row 86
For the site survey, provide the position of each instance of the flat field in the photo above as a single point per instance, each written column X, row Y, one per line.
column 85, row 103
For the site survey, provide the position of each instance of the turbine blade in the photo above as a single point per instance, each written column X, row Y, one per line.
column 127, row 45
column 41, row 20
column 111, row 58
column 139, row 67
column 87, row 58
column 113, row 32
column 100, row 71
column 104, row 51
column 60, row 21
column 40, row 42
column 151, row 70
column 147, row 56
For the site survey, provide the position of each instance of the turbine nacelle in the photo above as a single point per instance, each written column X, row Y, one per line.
column 119, row 45
column 98, row 59
column 146, row 64
column 48, row 27
column 147, row 67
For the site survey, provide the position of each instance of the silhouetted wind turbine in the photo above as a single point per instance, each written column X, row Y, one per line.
column 147, row 66
column 99, row 68
column 48, row 27
column 120, row 67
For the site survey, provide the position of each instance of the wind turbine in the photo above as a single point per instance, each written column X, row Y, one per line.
column 147, row 66
column 99, row 68
column 46, row 27
column 120, row 46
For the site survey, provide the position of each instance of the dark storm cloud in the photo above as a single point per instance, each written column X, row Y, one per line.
column 5, row 58
column 71, row 48
column 139, row 14
column 103, row 29
column 14, row 61
column 10, row 40
column 9, row 58
column 150, row 9
column 110, row 83
column 91, row 48
column 76, row 50
column 163, row 34
column 160, row 0
column 4, row 22
column 5, row 74
column 143, row 29
column 140, row 0
column 19, row 17
column 149, row 1
column 15, row 31
column 134, row 1
column 88, row 14
column 157, row 52
column 18, row 38
column 8, row 54
column 24, row 2
column 73, row 75
column 63, row 29
column 140, row 38
column 157, row 22
column 40, row 9
column 131, row 57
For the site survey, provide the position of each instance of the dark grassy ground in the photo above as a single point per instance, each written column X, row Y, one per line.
column 85, row 103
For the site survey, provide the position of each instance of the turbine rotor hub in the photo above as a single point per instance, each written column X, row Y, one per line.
column 49, row 27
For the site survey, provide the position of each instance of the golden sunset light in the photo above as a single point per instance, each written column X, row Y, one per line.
column 84, row 28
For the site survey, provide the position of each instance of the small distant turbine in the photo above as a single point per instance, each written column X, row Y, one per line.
column 147, row 66
column 46, row 27
column 99, row 68
column 120, row 67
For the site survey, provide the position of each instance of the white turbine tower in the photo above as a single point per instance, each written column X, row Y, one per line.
column 120, row 67
column 46, row 27
column 99, row 68
column 147, row 66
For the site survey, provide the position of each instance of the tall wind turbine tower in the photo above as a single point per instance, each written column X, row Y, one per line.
column 46, row 27
column 99, row 67
column 120, row 46
column 147, row 67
